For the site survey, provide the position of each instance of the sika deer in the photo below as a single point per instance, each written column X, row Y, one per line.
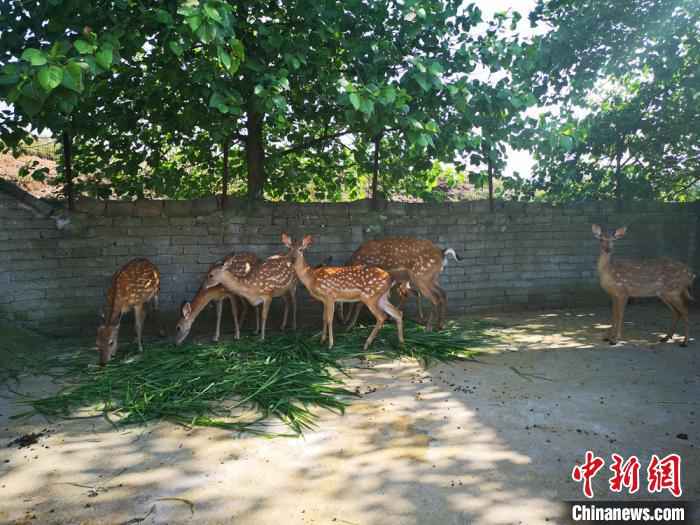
column 274, row 277
column 241, row 264
column 349, row 284
column 135, row 284
column 415, row 261
column 664, row 278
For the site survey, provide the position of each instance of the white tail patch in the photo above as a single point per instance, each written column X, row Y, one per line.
column 450, row 251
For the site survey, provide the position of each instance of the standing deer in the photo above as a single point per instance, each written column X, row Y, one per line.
column 415, row 264
column 135, row 284
column 349, row 284
column 241, row 264
column 274, row 277
column 664, row 278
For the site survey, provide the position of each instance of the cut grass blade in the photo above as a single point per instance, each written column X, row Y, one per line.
column 217, row 385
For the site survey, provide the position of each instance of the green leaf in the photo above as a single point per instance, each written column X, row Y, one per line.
column 30, row 106
column 194, row 22
column 567, row 143
column 436, row 68
column 73, row 77
column 34, row 57
column 104, row 57
column 217, row 101
column 9, row 75
column 176, row 48
column 422, row 82
column 224, row 57
column 83, row 47
column 258, row 89
column 50, row 77
column 212, row 12
column 67, row 102
column 164, row 17
column 355, row 101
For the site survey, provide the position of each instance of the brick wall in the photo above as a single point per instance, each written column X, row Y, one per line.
column 522, row 255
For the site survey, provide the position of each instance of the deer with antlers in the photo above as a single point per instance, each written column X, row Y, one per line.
column 415, row 264
column 133, row 285
column 664, row 278
column 274, row 277
column 345, row 284
column 241, row 264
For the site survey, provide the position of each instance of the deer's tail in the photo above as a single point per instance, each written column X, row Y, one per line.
column 449, row 252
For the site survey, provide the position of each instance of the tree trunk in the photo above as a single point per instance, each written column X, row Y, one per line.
column 224, row 182
column 255, row 155
column 68, row 170
column 490, row 164
column 375, row 171
column 618, row 177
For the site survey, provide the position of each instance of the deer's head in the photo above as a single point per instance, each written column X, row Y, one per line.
column 296, row 249
column 107, row 336
column 184, row 324
column 608, row 238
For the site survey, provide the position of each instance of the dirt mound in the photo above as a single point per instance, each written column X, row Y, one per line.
column 10, row 167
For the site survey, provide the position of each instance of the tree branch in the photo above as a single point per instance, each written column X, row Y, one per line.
column 313, row 142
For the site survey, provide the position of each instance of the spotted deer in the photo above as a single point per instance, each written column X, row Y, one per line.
column 241, row 264
column 349, row 284
column 274, row 277
column 664, row 278
column 415, row 264
column 133, row 285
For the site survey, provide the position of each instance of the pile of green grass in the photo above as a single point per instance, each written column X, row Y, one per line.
column 287, row 377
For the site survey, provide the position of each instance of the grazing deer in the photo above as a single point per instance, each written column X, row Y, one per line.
column 415, row 264
column 133, row 285
column 241, row 264
column 350, row 284
column 274, row 277
column 664, row 278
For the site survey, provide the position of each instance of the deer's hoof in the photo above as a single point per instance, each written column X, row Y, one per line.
column 214, row 339
column 684, row 344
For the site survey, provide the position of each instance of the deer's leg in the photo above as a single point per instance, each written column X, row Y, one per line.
column 621, row 303
column 325, row 324
column 156, row 315
column 682, row 307
column 219, row 311
column 265, row 310
column 355, row 308
column 328, row 313
column 341, row 312
column 293, row 298
column 394, row 312
column 139, row 317
column 443, row 303
column 234, row 312
column 380, row 316
column 668, row 301
column 427, row 290
column 419, row 301
column 609, row 335
column 285, row 298
column 243, row 311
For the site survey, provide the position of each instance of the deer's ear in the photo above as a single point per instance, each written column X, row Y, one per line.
column 186, row 310
column 597, row 232
column 620, row 232
column 286, row 240
column 307, row 241
column 227, row 263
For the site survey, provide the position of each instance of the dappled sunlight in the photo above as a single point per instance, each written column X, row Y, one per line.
column 459, row 442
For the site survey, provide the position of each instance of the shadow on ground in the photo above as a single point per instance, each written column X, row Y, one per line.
column 491, row 441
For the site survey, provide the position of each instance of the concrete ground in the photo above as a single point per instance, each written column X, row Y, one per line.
column 486, row 442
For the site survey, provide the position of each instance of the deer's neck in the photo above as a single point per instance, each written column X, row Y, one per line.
column 304, row 272
column 240, row 286
column 204, row 297
column 114, row 308
column 604, row 262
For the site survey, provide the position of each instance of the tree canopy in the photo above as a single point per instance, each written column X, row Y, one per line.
column 331, row 100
